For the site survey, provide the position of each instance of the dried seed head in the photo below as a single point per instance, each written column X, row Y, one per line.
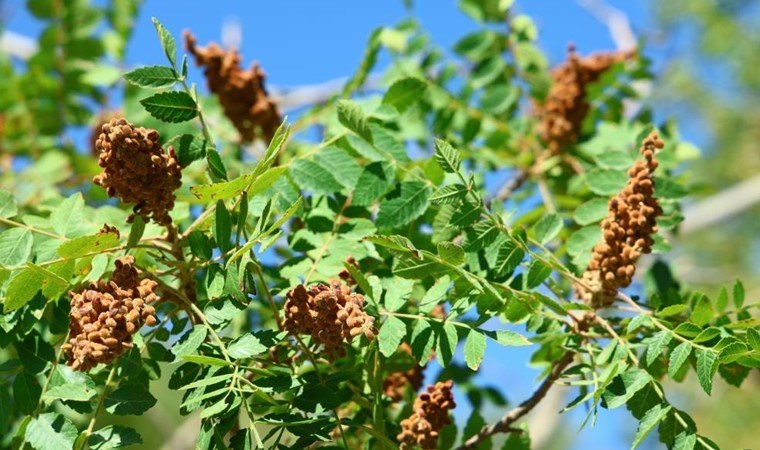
column 136, row 170
column 330, row 314
column 104, row 316
column 396, row 383
column 345, row 275
column 431, row 414
column 102, row 119
column 242, row 94
column 561, row 115
column 631, row 221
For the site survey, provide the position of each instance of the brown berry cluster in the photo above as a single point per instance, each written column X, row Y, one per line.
column 136, row 170
column 631, row 221
column 104, row 316
column 396, row 383
column 431, row 414
column 330, row 314
column 561, row 115
column 242, row 94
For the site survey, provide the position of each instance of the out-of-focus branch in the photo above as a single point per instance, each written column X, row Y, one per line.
column 624, row 38
column 312, row 94
column 719, row 207
column 505, row 424
column 615, row 20
column 17, row 45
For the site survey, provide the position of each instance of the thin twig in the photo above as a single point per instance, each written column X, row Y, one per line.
column 505, row 424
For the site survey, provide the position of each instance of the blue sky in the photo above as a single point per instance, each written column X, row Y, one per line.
column 306, row 42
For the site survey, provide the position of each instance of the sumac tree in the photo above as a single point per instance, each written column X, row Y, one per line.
column 293, row 291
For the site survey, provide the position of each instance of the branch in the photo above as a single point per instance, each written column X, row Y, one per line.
column 313, row 94
column 624, row 38
column 505, row 424
column 616, row 21
column 510, row 186
column 17, row 45
column 724, row 204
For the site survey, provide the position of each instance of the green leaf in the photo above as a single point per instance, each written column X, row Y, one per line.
column 686, row 440
column 657, row 345
column 707, row 334
column 474, row 349
column 606, row 182
column 497, row 99
column 653, row 417
column 447, row 343
column 391, row 334
column 422, row 341
column 222, row 227
column 404, row 92
column 188, row 147
column 480, row 236
column 672, row 310
column 84, row 245
column 636, row 322
column 136, row 231
column 753, row 338
column 396, row 243
column 101, row 75
column 216, row 168
column 615, row 160
column 582, row 242
column 625, row 386
column 23, row 287
column 351, row 116
column 537, row 273
column 113, row 436
column 8, row 206
column 447, row 157
column 171, row 106
column 591, row 212
column 451, row 253
column 66, row 384
column 688, row 329
column 51, row 431
column 669, row 189
column 373, row 183
column 311, row 176
column 678, row 356
column 451, row 193
column 246, row 346
column 548, row 228
column 402, row 210
column 702, row 312
column 167, row 42
column 464, row 215
column 26, row 392
column 510, row 256
column 706, row 367
column 206, row 360
column 517, row 441
column 722, row 301
column 129, row 399
column 68, row 217
column 244, row 183
column 190, row 344
column 413, row 268
column 509, row 338
column 155, row 77
column 738, row 292
column 398, row 295
column 733, row 352
column 338, row 161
